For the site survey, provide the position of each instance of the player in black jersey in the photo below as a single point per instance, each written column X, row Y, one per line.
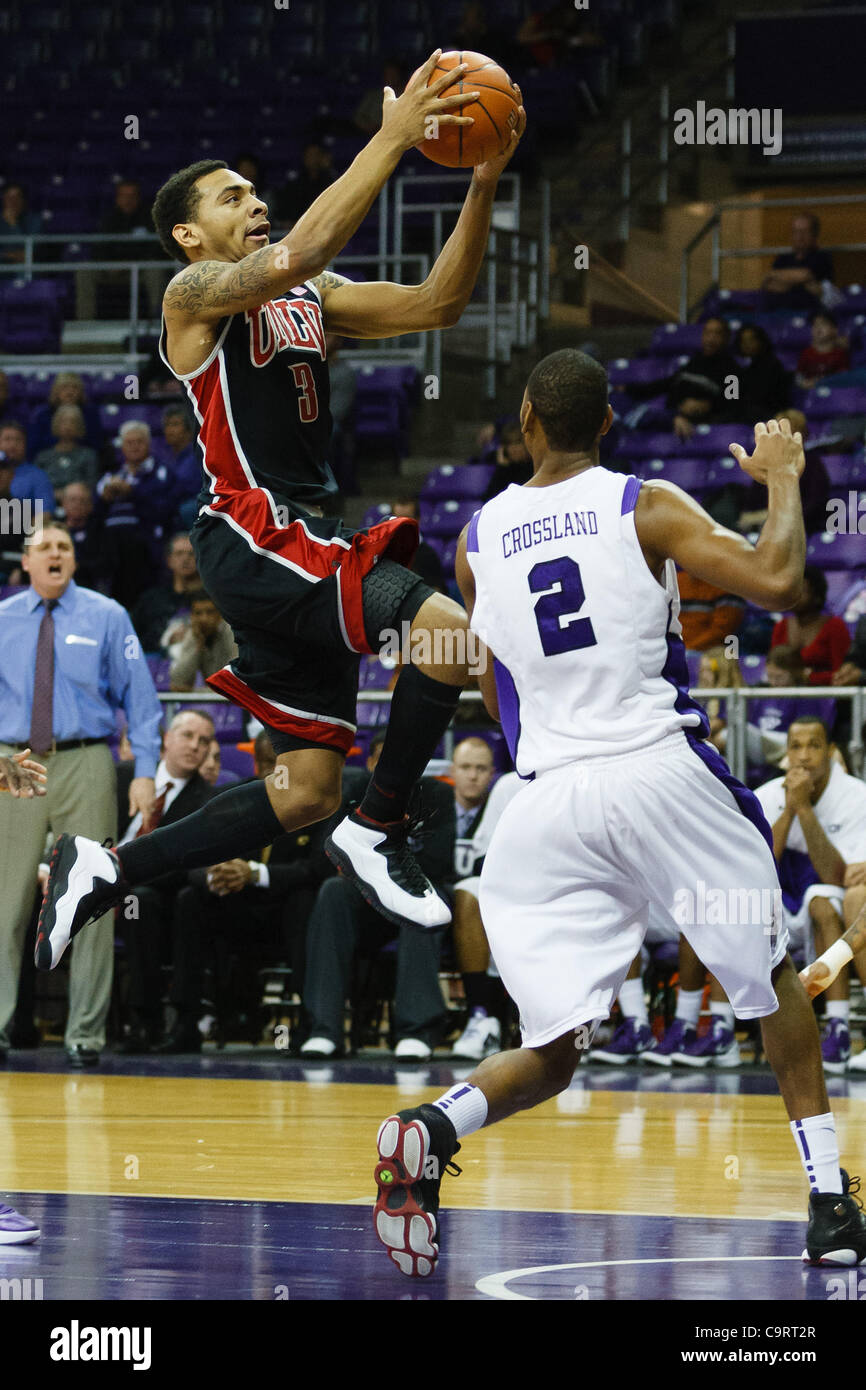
column 244, row 330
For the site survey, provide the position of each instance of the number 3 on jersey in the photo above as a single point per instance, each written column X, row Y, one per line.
column 308, row 401
column 562, row 577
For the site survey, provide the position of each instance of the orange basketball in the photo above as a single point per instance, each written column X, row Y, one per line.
column 495, row 113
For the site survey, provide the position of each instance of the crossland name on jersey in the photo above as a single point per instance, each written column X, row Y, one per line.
column 285, row 323
column 548, row 528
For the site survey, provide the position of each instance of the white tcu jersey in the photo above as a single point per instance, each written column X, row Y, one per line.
column 589, row 656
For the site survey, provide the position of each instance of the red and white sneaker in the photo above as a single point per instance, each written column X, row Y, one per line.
column 415, row 1149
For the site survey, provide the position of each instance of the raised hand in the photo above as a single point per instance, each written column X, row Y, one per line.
column 777, row 451
column 406, row 117
column 21, row 775
column 490, row 170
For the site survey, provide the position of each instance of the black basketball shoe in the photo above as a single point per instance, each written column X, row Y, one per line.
column 379, row 861
column 85, row 879
column 415, row 1149
column 837, row 1226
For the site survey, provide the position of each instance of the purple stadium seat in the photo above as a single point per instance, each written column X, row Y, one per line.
column 693, row 662
column 637, row 370
column 228, row 720
column 788, row 333
column 825, row 402
column 159, row 667
column 855, row 298
column 380, row 511
column 446, row 518
column 852, row 603
column 726, row 472
column 237, row 760
column 712, row 441
column 841, row 584
column 689, row 474
column 652, row 445
column 9, row 590
column 846, row 470
column 671, row 339
column 753, row 669
column 742, row 302
column 836, row 551
column 449, row 556
column 458, row 480
column 375, row 674
column 776, row 712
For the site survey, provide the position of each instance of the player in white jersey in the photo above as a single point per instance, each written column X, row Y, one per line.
column 570, row 584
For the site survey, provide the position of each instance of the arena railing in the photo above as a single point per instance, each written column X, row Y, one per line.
column 735, row 701
column 719, row 253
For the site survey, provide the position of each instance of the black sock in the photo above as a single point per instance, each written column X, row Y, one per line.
column 421, row 710
column 476, row 986
column 236, row 819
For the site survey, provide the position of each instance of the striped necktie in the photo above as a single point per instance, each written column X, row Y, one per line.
column 153, row 820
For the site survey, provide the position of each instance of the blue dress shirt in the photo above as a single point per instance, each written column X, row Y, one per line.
column 33, row 484
column 99, row 667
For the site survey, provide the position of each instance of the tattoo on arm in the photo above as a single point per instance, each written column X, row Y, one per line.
column 329, row 281
column 212, row 285
column 856, row 934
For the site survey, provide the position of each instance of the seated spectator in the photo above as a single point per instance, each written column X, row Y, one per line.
column 367, row 117
column 828, row 353
column 16, row 222
column 158, row 929
column 68, row 460
column 67, row 388
column 256, row 908
column 76, row 506
column 799, row 276
column 818, row 816
column 29, row 484
column 426, row 562
column 317, row 174
column 129, row 216
column 137, row 504
column 707, row 614
column 697, row 392
column 211, row 768
column 822, row 640
column 814, row 486
column 179, row 434
column 765, row 386
column 344, row 390
column 206, row 647
column 718, row 671
column 513, row 464
column 161, row 616
column 250, row 167
column 343, row 925
column 853, row 668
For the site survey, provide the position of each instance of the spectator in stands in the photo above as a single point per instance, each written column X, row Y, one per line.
column 699, row 391
column 212, row 765
column 161, row 615
column 853, row 668
column 67, row 388
column 317, row 173
column 29, row 484
column 814, row 487
column 426, row 562
column 179, row 434
column 76, row 506
column 128, row 216
column 765, row 385
column 67, row 721
column 250, row 167
column 818, row 817
column 206, row 647
column 367, row 117
column 344, row 390
column 822, row 639
column 342, row 925
column 828, row 353
column 718, row 671
column 707, row 615
column 138, row 503
column 156, row 930
column 68, row 460
column 256, row 906
column 548, row 33
column 513, row 464
column 799, row 276
column 16, row 221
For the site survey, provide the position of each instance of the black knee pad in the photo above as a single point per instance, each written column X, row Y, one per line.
column 391, row 595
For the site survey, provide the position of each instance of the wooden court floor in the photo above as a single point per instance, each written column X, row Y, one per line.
column 618, row 1170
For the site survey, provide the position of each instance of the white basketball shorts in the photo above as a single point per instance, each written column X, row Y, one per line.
column 579, row 855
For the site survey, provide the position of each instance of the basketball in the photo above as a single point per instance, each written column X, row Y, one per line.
column 495, row 113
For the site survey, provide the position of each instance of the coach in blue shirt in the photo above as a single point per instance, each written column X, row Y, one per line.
column 69, row 659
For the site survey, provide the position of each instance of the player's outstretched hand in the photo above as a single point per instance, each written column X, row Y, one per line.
column 777, row 451
column 408, row 117
column 490, row 170
column 22, row 775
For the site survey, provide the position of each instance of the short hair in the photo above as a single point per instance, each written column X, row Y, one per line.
column 13, row 425
column 813, row 220
column 199, row 596
column 817, row 581
column 178, row 201
column 134, row 427
column 79, row 418
column 178, row 412
column 812, row 719
column 192, row 709
column 760, row 333
column 569, row 393
column 407, row 499
column 32, row 536
column 177, row 536
column 717, row 318
column 63, row 379
column 479, row 742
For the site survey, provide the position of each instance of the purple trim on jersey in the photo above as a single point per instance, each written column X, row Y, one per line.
column 796, row 874
column 509, row 710
column 630, row 494
column 745, row 799
column 676, row 671
column 472, row 533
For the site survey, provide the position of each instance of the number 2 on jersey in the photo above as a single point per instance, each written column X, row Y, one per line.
column 308, row 401
column 562, row 576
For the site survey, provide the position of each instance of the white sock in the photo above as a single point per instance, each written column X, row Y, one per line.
column 839, row 1008
column 722, row 1009
column 466, row 1108
column 815, row 1137
column 632, row 1001
column 689, row 1006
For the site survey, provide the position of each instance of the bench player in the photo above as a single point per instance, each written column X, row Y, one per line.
column 244, row 327
column 571, row 586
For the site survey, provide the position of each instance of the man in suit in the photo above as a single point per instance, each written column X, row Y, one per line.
column 342, row 925
column 262, row 901
column 148, row 920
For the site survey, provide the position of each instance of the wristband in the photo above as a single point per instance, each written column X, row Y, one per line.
column 835, row 957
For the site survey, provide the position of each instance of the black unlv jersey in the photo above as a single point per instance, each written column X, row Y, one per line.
column 262, row 402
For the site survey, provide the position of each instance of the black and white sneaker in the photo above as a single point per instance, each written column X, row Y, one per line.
column 837, row 1226
column 85, row 879
column 381, row 864
column 415, row 1149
